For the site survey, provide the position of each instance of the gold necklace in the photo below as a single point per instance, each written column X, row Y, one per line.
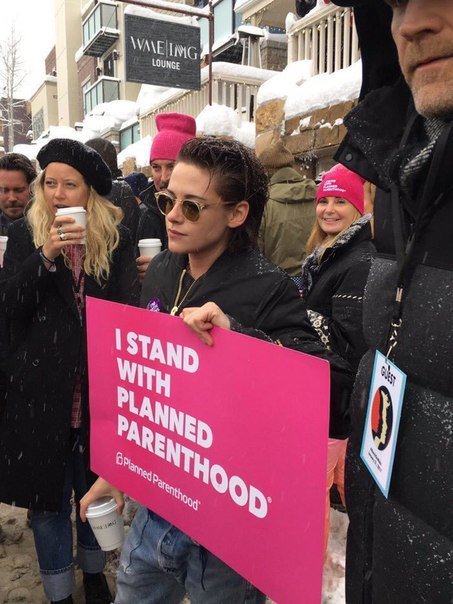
column 177, row 303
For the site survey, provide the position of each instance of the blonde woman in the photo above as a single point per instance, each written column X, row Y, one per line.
column 47, row 274
column 333, row 281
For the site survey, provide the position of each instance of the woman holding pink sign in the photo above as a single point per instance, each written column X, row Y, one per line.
column 52, row 262
column 213, row 208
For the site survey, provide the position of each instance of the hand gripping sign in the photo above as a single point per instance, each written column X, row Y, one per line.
column 227, row 442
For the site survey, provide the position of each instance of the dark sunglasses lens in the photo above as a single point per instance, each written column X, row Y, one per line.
column 165, row 203
column 190, row 210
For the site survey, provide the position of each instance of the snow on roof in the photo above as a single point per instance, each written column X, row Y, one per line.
column 47, row 79
column 141, row 11
column 139, row 151
column 251, row 30
column 109, row 115
column 151, row 97
column 30, row 151
column 102, row 117
column 281, row 85
column 283, row 38
column 219, row 120
column 234, row 70
column 324, row 90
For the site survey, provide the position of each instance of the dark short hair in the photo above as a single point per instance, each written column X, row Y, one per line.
column 107, row 151
column 17, row 161
column 237, row 175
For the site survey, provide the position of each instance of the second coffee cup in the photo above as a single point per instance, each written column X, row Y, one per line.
column 149, row 247
column 3, row 242
column 107, row 524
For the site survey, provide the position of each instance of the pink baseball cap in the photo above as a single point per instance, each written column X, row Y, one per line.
column 174, row 129
column 341, row 182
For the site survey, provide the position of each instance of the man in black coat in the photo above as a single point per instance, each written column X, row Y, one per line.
column 16, row 176
column 400, row 137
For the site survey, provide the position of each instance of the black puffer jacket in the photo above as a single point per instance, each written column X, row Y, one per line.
column 262, row 301
column 333, row 290
column 400, row 549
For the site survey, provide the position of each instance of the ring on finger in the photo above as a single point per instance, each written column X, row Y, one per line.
column 59, row 231
column 62, row 236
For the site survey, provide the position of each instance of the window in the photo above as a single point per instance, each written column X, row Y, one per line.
column 84, row 89
column 109, row 66
column 38, row 123
column 129, row 135
column 103, row 91
column 104, row 15
column 225, row 23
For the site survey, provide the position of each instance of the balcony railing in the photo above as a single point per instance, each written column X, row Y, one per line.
column 327, row 36
column 100, row 30
column 233, row 90
column 103, row 91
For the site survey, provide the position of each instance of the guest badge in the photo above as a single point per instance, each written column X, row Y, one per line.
column 382, row 420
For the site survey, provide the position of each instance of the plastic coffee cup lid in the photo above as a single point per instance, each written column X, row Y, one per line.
column 150, row 242
column 74, row 210
column 3, row 238
column 101, row 507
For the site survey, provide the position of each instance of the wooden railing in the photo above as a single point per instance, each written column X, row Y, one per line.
column 233, row 90
column 327, row 36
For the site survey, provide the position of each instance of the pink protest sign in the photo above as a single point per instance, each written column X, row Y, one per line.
column 226, row 442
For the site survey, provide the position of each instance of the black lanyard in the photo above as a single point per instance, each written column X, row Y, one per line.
column 405, row 250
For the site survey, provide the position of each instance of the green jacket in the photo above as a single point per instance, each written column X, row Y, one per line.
column 287, row 220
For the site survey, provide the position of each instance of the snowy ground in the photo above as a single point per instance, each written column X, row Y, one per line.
column 19, row 576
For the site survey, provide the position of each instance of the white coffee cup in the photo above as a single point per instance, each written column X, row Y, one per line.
column 78, row 213
column 107, row 524
column 3, row 242
column 149, row 247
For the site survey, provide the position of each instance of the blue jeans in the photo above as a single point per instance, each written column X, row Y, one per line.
column 160, row 564
column 53, row 534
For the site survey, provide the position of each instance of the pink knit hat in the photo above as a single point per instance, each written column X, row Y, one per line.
column 174, row 129
column 341, row 182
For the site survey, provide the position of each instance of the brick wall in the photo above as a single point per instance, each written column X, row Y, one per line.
column 86, row 68
column 51, row 62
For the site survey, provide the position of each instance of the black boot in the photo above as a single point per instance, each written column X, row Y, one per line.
column 96, row 589
column 67, row 600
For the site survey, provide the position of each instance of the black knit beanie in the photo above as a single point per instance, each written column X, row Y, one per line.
column 80, row 157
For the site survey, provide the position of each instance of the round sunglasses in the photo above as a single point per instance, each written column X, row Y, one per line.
column 190, row 209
